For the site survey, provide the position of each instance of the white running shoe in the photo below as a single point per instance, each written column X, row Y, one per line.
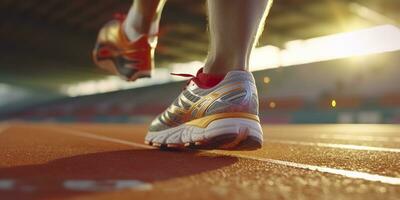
column 222, row 117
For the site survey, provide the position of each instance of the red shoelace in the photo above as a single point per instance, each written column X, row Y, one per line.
column 202, row 80
column 191, row 78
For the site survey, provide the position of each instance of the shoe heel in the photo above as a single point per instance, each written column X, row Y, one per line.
column 244, row 134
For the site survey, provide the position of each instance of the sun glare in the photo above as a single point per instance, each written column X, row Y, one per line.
column 333, row 103
column 372, row 40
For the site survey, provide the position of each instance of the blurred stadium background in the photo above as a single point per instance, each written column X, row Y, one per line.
column 334, row 61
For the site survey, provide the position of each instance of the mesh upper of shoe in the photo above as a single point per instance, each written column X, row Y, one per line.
column 236, row 93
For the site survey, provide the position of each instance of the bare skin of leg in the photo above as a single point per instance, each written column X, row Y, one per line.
column 234, row 27
column 143, row 18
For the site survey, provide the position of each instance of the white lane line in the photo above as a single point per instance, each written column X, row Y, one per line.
column 106, row 185
column 103, row 138
column 7, row 184
column 78, row 185
column 341, row 172
column 366, row 138
column 337, row 146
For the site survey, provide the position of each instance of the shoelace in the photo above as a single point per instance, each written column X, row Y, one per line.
column 190, row 76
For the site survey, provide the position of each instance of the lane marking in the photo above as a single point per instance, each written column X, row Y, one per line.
column 323, row 169
column 7, row 184
column 338, row 146
column 367, row 138
column 106, row 185
column 342, row 129
column 103, row 138
column 10, row 185
column 77, row 185
column 341, row 172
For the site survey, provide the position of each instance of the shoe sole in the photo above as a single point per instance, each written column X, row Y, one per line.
column 228, row 133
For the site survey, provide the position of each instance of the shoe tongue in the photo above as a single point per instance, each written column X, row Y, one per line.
column 141, row 40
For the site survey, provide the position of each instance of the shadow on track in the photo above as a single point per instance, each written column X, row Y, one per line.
column 142, row 165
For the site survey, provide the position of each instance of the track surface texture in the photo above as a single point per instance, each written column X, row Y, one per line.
column 97, row 161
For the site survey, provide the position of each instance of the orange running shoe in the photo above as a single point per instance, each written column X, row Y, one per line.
column 116, row 54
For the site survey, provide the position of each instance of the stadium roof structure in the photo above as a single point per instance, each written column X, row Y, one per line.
column 50, row 41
